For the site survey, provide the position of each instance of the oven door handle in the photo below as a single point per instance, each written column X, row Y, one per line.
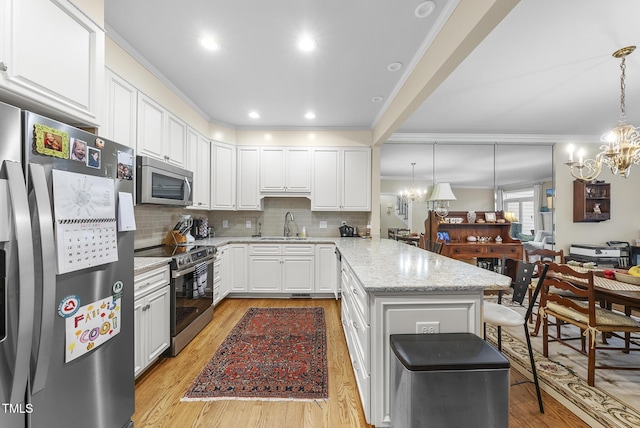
column 179, row 273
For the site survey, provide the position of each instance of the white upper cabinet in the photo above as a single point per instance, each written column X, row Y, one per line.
column 52, row 56
column 285, row 170
column 223, row 176
column 151, row 128
column 161, row 135
column 120, row 115
column 199, row 149
column 341, row 179
column 248, row 179
column 176, row 143
column 356, row 179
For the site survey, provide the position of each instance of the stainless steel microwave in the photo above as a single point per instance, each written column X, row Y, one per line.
column 159, row 183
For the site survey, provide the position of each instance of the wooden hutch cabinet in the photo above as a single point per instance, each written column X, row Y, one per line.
column 591, row 201
column 458, row 229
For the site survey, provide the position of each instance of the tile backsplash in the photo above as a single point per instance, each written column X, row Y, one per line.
column 153, row 222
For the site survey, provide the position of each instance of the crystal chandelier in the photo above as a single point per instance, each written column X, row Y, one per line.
column 413, row 194
column 622, row 148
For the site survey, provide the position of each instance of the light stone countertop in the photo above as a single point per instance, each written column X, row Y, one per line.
column 384, row 265
column 145, row 264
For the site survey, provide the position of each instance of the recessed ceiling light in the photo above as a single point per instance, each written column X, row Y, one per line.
column 425, row 9
column 254, row 115
column 377, row 99
column 209, row 43
column 306, row 43
column 394, row 66
column 310, row 115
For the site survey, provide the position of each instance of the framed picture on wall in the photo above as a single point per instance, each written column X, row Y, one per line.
column 490, row 217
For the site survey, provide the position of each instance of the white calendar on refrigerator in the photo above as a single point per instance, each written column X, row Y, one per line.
column 85, row 220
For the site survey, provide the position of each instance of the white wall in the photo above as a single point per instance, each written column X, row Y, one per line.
column 625, row 206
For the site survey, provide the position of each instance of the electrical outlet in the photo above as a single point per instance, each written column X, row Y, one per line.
column 247, row 224
column 225, row 223
column 343, row 223
column 323, row 224
column 428, row 327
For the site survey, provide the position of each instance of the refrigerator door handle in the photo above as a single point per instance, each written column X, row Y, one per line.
column 48, row 292
column 26, row 277
column 187, row 194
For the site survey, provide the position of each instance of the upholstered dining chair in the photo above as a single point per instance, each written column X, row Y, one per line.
column 503, row 316
column 543, row 255
column 586, row 315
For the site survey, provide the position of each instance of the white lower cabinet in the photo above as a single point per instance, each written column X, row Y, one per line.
column 326, row 280
column 368, row 319
column 275, row 268
column 152, row 316
column 238, row 263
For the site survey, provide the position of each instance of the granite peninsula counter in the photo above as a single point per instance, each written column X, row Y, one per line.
column 389, row 287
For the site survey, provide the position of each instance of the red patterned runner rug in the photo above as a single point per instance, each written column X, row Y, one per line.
column 271, row 354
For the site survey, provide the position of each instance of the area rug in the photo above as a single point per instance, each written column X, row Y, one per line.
column 613, row 402
column 271, row 354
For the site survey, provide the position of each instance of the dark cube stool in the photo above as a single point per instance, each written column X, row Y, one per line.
column 447, row 380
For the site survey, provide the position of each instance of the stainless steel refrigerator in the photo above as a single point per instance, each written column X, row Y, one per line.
column 66, row 276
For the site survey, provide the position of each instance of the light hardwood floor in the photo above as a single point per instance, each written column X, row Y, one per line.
column 159, row 390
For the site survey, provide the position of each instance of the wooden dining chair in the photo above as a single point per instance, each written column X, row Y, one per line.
column 503, row 316
column 543, row 255
column 586, row 315
column 422, row 243
column 433, row 246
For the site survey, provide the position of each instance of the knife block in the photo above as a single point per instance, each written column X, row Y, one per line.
column 173, row 238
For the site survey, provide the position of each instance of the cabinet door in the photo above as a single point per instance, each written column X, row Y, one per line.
column 325, row 189
column 224, row 257
column 139, row 337
column 176, row 144
column 265, row 273
column 326, row 269
column 238, row 268
column 158, row 320
column 356, row 180
column 223, row 181
column 297, row 274
column 151, row 128
column 298, row 170
column 272, row 171
column 248, row 183
column 199, row 150
column 120, row 115
column 54, row 56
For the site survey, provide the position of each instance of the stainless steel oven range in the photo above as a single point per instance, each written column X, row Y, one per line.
column 191, row 289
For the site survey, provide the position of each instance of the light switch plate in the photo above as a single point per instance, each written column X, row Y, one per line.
column 225, row 223
column 323, row 224
column 247, row 224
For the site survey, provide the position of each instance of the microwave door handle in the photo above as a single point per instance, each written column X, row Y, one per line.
column 45, row 220
column 187, row 194
column 26, row 278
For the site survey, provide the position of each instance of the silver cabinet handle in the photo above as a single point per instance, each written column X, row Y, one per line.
column 42, row 207
column 26, row 278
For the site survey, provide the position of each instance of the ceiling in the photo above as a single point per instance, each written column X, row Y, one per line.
column 545, row 73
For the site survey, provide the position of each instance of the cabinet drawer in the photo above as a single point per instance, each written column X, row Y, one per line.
column 503, row 249
column 265, row 249
column 298, row 249
column 468, row 250
column 149, row 281
column 358, row 331
column 358, row 296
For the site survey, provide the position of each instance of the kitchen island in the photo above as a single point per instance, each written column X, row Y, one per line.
column 389, row 287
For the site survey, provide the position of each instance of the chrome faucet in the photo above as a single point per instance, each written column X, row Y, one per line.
column 286, row 224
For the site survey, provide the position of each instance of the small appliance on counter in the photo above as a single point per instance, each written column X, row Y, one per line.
column 347, row 231
column 601, row 255
column 200, row 228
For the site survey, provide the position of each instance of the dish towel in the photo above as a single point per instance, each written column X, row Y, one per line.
column 200, row 280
